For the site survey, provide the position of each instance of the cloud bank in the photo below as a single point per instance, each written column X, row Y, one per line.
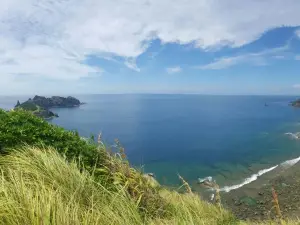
column 51, row 39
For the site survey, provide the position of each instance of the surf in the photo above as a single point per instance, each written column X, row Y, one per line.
column 254, row 177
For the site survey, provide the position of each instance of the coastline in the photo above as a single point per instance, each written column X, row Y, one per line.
column 65, row 107
column 254, row 201
column 251, row 198
column 41, row 106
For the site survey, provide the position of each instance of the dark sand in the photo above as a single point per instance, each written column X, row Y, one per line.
column 254, row 201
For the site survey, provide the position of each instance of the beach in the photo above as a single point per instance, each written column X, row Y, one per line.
column 255, row 200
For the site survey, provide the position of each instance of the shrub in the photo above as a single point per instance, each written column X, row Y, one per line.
column 30, row 106
column 20, row 127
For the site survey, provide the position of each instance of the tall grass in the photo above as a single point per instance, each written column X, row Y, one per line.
column 190, row 209
column 38, row 186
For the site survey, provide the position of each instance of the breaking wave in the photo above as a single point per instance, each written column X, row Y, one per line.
column 293, row 135
column 248, row 180
column 253, row 177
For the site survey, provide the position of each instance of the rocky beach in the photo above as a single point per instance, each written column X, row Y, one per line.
column 255, row 201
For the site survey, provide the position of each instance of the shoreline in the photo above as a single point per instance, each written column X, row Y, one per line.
column 254, row 201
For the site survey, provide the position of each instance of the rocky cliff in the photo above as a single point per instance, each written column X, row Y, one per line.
column 296, row 103
column 40, row 105
column 55, row 101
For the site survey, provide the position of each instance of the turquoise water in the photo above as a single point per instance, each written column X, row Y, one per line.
column 227, row 137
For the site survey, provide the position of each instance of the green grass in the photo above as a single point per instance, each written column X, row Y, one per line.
column 18, row 128
column 30, row 106
column 21, row 127
column 38, row 186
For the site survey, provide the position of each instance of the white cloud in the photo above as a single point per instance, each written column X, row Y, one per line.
column 222, row 63
column 131, row 64
column 49, row 38
column 257, row 59
column 44, row 61
column 227, row 62
column 171, row 70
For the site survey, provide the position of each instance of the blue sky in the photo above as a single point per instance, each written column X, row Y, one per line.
column 150, row 46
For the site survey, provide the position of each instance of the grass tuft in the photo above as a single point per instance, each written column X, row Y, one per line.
column 39, row 186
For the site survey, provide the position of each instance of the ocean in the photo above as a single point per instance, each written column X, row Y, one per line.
column 233, row 139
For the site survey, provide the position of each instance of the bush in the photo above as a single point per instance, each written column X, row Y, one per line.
column 20, row 127
column 30, row 106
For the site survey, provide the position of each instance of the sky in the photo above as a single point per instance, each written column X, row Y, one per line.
column 150, row 46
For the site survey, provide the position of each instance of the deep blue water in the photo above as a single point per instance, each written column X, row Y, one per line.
column 228, row 137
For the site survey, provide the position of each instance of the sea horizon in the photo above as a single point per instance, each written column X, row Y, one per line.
column 129, row 93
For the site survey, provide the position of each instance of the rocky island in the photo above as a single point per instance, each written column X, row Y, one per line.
column 296, row 103
column 40, row 105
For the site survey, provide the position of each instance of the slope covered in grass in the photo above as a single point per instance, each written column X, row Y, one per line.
column 38, row 186
column 18, row 128
column 21, row 127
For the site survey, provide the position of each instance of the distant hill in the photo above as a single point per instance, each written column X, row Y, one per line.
column 55, row 102
column 40, row 105
column 296, row 103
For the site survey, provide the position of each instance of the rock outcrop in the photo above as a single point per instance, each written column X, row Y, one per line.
column 56, row 101
column 40, row 105
column 296, row 103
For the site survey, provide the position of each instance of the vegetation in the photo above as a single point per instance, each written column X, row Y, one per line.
column 35, row 109
column 39, row 187
column 52, row 176
column 29, row 106
column 40, row 105
column 296, row 103
column 21, row 127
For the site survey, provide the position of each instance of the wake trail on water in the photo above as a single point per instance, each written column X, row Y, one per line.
column 254, row 177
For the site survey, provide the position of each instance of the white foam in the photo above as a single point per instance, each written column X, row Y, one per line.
column 290, row 163
column 293, row 135
column 248, row 180
column 209, row 179
column 254, row 177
